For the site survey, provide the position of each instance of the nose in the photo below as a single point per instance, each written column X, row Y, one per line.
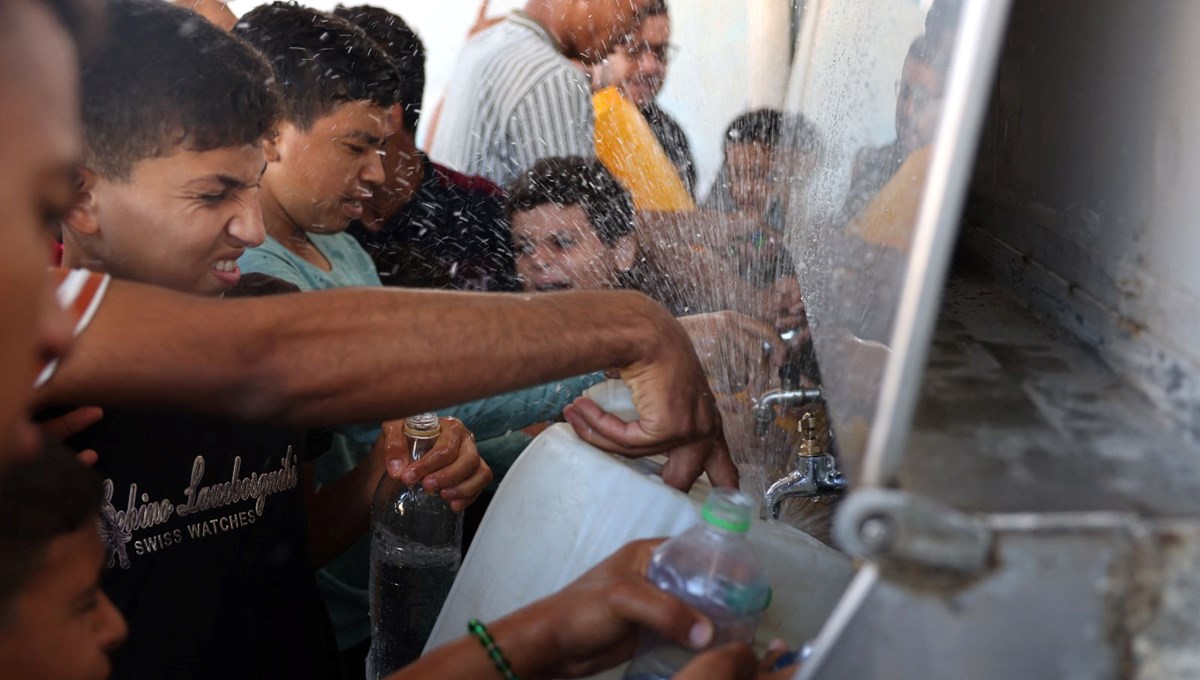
column 247, row 225
column 372, row 172
column 55, row 330
column 111, row 624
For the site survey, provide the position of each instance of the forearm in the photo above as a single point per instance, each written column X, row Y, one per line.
column 340, row 512
column 522, row 637
column 344, row 356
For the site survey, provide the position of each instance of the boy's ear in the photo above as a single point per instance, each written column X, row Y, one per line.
column 271, row 145
column 625, row 250
column 84, row 216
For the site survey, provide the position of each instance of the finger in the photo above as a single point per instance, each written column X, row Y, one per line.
column 465, row 494
column 454, row 437
column 483, row 10
column 685, row 463
column 70, row 424
column 585, row 427
column 735, row 661
column 88, row 457
column 627, row 438
column 719, row 465
column 776, row 649
column 638, row 601
column 456, row 472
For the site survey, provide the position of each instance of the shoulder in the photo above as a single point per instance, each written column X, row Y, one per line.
column 475, row 185
column 272, row 259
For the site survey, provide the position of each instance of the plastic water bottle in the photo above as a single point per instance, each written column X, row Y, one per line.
column 416, row 548
column 711, row 568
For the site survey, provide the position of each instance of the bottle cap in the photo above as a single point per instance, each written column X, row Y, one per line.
column 728, row 509
column 424, row 426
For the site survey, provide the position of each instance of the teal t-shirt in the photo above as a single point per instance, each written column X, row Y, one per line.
column 351, row 266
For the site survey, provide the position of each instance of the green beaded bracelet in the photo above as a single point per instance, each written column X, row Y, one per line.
column 476, row 628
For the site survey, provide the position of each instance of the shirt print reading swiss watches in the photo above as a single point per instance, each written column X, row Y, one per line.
column 143, row 513
column 207, row 537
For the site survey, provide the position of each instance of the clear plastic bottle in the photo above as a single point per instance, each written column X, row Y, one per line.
column 416, row 549
column 711, row 568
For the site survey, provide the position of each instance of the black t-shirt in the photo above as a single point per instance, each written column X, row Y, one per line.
column 674, row 142
column 207, row 537
column 453, row 234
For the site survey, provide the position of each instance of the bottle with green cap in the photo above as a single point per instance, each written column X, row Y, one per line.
column 711, row 568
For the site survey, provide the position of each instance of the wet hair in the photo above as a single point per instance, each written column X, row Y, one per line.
column 42, row 498
column 658, row 8
column 572, row 180
column 773, row 128
column 163, row 77
column 320, row 61
column 403, row 46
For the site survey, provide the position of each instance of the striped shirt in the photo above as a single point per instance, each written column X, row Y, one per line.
column 79, row 293
column 514, row 99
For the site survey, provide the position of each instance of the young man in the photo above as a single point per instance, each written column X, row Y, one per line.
column 573, row 228
column 647, row 50
column 427, row 226
column 55, row 622
column 205, row 514
column 333, row 58
column 517, row 97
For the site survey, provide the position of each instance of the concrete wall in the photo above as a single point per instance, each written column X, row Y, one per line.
column 1087, row 189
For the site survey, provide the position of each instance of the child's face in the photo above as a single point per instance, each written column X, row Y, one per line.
column 320, row 177
column 557, row 248
column 182, row 220
column 64, row 627
column 748, row 168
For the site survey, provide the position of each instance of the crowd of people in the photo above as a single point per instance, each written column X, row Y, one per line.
column 211, row 373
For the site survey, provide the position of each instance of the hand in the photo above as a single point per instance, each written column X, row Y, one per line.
column 738, row 352
column 593, row 623
column 677, row 413
column 734, row 661
column 482, row 20
column 70, row 424
column 451, row 469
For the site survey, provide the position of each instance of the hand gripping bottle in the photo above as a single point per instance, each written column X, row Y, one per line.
column 416, row 548
column 709, row 567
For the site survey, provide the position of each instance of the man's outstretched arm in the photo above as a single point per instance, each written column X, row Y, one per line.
column 366, row 355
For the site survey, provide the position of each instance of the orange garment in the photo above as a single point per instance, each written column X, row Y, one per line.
column 628, row 148
column 891, row 217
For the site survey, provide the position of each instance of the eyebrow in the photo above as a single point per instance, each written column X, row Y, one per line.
column 228, row 181
column 364, row 136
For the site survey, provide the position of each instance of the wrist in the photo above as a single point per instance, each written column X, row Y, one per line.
column 526, row 637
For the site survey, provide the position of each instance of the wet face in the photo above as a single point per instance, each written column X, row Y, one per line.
column 748, row 168
column 557, row 248
column 181, row 221
column 318, row 179
column 918, row 104
column 40, row 135
column 62, row 626
column 592, row 27
column 648, row 51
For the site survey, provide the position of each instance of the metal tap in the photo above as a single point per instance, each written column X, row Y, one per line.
column 764, row 411
column 816, row 472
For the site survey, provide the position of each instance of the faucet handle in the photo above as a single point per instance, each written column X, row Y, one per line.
column 810, row 436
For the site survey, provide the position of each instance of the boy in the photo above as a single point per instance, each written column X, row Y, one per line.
column 338, row 86
column 427, row 226
column 55, row 622
column 204, row 519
